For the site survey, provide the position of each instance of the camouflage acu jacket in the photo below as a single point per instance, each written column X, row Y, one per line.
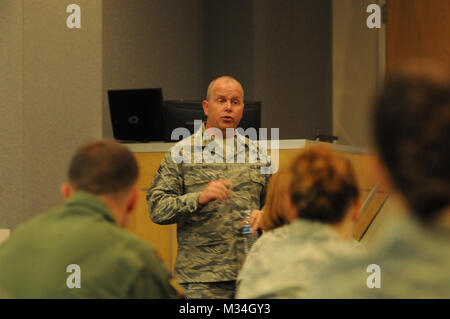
column 210, row 246
column 413, row 261
column 284, row 261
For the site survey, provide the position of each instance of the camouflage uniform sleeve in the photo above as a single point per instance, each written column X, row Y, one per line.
column 264, row 191
column 166, row 197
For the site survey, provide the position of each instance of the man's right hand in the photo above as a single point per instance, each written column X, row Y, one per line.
column 219, row 189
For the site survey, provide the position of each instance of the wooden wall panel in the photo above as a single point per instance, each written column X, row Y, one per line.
column 417, row 28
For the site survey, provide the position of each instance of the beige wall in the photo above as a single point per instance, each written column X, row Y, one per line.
column 358, row 66
column 152, row 43
column 281, row 53
column 53, row 99
column 292, row 50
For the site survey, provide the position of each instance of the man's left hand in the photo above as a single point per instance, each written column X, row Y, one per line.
column 255, row 220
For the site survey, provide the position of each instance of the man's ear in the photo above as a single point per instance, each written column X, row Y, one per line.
column 133, row 199
column 205, row 107
column 66, row 190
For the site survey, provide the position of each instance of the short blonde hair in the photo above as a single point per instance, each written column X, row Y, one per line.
column 224, row 77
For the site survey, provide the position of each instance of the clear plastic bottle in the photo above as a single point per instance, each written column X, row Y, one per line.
column 246, row 231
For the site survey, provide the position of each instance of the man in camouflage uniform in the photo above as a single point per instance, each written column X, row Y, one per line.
column 412, row 134
column 208, row 197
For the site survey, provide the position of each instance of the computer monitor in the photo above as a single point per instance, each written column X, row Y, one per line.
column 251, row 116
column 137, row 114
column 183, row 114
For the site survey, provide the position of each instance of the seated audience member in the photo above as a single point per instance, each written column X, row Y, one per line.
column 324, row 201
column 412, row 136
column 277, row 212
column 79, row 250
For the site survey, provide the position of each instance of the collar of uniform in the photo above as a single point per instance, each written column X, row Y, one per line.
column 313, row 229
column 238, row 139
column 85, row 199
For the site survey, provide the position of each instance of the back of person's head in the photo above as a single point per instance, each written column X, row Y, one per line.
column 103, row 168
column 323, row 185
column 412, row 135
column 277, row 209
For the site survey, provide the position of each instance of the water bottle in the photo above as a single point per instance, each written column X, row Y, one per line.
column 246, row 231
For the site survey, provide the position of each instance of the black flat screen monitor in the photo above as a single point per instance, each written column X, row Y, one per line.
column 183, row 114
column 137, row 114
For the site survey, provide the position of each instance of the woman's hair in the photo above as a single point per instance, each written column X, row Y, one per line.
column 276, row 209
column 323, row 185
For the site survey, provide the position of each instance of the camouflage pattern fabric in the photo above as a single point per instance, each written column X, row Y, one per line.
column 283, row 261
column 210, row 290
column 414, row 262
column 210, row 246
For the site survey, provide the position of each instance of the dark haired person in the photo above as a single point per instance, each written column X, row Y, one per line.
column 324, row 196
column 79, row 250
column 412, row 137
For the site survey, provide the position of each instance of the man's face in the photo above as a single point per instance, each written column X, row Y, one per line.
column 224, row 106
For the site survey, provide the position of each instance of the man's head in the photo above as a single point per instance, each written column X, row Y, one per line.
column 224, row 103
column 412, row 135
column 108, row 170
